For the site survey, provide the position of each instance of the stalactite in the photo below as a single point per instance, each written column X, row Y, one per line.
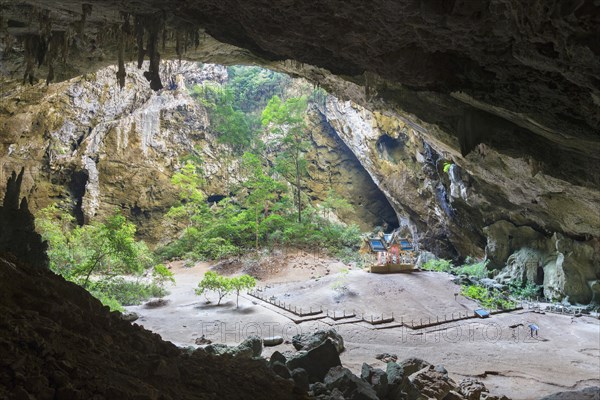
column 34, row 51
column 139, row 35
column 86, row 11
column 153, row 26
column 56, row 44
column 120, row 62
column 13, row 191
column 178, row 40
column 123, row 36
column 153, row 73
column 196, row 36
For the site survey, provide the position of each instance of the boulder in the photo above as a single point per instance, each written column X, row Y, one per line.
column 308, row 341
column 250, row 347
column 129, row 316
column 277, row 356
column 350, row 385
column 452, row 395
column 412, row 364
column 386, row 357
column 300, row 377
column 318, row 388
column 433, row 384
column 317, row 361
column 399, row 386
column 254, row 343
column 217, row 349
column 471, row 388
column 202, row 340
column 281, row 370
column 377, row 378
column 272, row 341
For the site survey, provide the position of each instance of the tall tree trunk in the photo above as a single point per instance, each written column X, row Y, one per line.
column 256, row 226
column 298, row 199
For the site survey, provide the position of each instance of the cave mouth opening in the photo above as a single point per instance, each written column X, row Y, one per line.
column 215, row 198
column 390, row 148
column 77, row 187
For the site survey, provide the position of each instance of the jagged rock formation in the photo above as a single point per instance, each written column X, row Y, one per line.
column 17, row 229
column 99, row 147
column 568, row 269
column 58, row 342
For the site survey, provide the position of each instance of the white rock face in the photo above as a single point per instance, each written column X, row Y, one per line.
column 567, row 269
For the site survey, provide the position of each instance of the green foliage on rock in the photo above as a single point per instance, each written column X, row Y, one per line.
column 476, row 270
column 261, row 214
column 522, row 290
column 96, row 256
column 267, row 206
column 438, row 265
column 447, row 166
column 487, row 298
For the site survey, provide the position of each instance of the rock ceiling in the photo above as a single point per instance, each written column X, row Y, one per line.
column 520, row 76
column 534, row 63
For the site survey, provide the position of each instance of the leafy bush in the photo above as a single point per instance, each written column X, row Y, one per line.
column 93, row 255
column 110, row 302
column 439, row 265
column 477, row 270
column 521, row 290
column 489, row 299
column 126, row 292
column 216, row 248
column 161, row 275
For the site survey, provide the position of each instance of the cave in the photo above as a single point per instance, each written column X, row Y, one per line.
column 390, row 148
column 77, row 190
column 215, row 198
column 506, row 91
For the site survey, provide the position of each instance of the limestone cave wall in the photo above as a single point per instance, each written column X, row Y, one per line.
column 94, row 147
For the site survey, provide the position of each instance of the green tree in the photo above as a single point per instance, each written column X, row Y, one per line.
column 161, row 275
column 234, row 126
column 213, row 282
column 335, row 203
column 286, row 119
column 239, row 283
column 110, row 247
column 192, row 203
column 56, row 226
column 263, row 192
column 105, row 249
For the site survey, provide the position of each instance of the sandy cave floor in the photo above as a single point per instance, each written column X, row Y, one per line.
column 565, row 356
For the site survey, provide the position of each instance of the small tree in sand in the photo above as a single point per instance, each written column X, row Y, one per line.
column 240, row 283
column 213, row 282
column 161, row 276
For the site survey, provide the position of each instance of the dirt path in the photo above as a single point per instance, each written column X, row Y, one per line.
column 565, row 356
